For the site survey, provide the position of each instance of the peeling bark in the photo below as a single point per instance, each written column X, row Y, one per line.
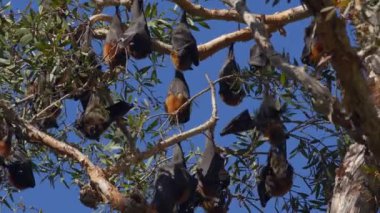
column 355, row 189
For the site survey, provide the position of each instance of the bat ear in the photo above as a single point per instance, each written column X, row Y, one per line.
column 240, row 123
column 178, row 157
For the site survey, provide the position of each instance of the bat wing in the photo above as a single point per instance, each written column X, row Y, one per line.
column 115, row 30
column 119, row 109
column 179, row 85
column 240, row 123
column 261, row 186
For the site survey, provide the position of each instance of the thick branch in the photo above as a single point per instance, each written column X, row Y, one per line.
column 103, row 3
column 355, row 189
column 109, row 191
column 322, row 98
column 162, row 145
column 273, row 23
column 348, row 67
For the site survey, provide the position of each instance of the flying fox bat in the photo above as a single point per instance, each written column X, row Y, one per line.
column 185, row 51
column 113, row 52
column 257, row 59
column 137, row 37
column 213, row 179
column 96, row 117
column 312, row 52
column 230, row 90
column 267, row 121
column 173, row 185
column 276, row 178
column 178, row 94
column 20, row 168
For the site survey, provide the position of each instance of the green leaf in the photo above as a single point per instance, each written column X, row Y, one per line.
column 26, row 39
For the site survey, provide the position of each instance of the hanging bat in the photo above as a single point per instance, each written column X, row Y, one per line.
column 96, row 118
column 137, row 37
column 178, row 94
column 113, row 52
column 6, row 134
column 185, row 50
column 276, row 178
column 44, row 95
column 230, row 90
column 312, row 53
column 173, row 185
column 267, row 121
column 20, row 168
column 257, row 58
column 213, row 179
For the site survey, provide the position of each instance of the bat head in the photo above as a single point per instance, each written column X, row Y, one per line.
column 93, row 124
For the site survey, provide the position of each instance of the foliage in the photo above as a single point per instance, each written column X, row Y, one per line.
column 42, row 40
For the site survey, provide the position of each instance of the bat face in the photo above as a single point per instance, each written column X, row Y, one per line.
column 178, row 94
column 20, row 169
column 173, row 185
column 230, row 90
column 113, row 53
column 257, row 59
column 137, row 38
column 240, row 123
column 97, row 118
column 185, row 50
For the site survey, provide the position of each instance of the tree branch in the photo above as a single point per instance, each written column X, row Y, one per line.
column 349, row 71
column 96, row 174
column 162, row 145
column 355, row 189
column 323, row 101
column 273, row 23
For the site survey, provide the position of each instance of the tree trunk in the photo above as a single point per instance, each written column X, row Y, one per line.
column 356, row 188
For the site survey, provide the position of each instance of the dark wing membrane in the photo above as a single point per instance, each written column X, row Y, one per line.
column 240, row 123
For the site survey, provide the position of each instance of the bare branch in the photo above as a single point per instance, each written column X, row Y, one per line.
column 273, row 23
column 322, row 98
column 162, row 145
column 103, row 3
column 96, row 174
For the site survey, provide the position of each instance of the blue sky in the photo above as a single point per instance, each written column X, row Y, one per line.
column 60, row 199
